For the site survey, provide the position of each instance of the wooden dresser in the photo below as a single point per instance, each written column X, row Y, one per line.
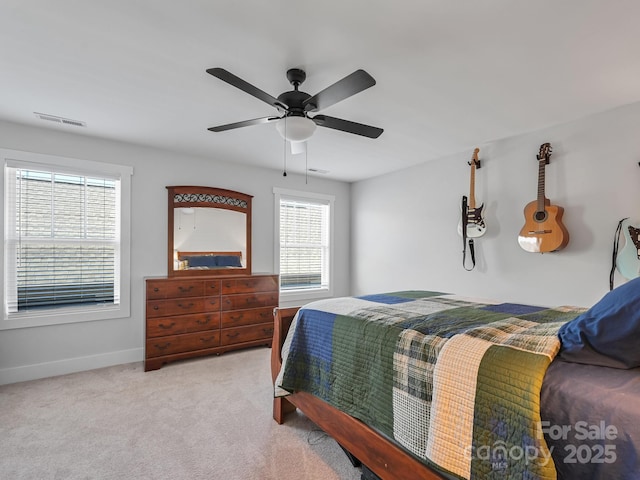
column 193, row 316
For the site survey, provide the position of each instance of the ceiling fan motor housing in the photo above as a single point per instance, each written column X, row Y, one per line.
column 294, row 100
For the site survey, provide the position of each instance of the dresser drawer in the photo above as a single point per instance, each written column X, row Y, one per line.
column 235, row 302
column 212, row 287
column 157, row 347
column 182, row 306
column 159, row 289
column 162, row 326
column 229, row 336
column 250, row 284
column 236, row 318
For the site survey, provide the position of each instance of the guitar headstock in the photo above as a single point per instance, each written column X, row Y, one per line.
column 545, row 153
column 474, row 159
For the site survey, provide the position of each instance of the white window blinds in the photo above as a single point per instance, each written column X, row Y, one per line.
column 304, row 243
column 62, row 239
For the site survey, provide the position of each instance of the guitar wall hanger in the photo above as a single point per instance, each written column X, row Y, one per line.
column 479, row 163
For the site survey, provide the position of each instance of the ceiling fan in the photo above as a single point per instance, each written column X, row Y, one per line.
column 293, row 122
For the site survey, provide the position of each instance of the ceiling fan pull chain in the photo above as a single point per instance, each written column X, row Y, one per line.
column 284, row 139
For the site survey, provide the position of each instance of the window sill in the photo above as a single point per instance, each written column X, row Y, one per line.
column 62, row 316
column 302, row 296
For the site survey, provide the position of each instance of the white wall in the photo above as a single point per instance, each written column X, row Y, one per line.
column 404, row 224
column 36, row 352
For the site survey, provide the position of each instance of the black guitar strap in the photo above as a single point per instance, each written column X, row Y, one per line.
column 616, row 244
column 472, row 252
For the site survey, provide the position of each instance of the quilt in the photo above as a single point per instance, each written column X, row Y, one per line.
column 454, row 380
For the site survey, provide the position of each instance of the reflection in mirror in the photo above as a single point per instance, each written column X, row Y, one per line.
column 209, row 231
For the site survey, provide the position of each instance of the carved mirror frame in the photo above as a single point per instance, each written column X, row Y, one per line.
column 208, row 197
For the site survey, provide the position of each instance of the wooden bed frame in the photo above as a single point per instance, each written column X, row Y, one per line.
column 181, row 254
column 380, row 455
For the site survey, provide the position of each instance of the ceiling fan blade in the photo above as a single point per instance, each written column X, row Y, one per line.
column 237, row 82
column 348, row 86
column 298, row 147
column 347, row 126
column 246, row 123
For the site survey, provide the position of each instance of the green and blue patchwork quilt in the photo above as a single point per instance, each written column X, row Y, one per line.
column 455, row 381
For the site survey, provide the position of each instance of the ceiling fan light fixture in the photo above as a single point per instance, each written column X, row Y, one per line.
column 295, row 128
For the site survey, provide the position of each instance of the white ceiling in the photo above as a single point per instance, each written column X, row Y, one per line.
column 451, row 75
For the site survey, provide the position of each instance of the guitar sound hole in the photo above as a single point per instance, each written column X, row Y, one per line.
column 540, row 216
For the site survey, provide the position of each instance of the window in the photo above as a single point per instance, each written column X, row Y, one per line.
column 66, row 240
column 303, row 246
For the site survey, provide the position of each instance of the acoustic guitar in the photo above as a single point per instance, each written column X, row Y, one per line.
column 628, row 259
column 543, row 230
column 475, row 220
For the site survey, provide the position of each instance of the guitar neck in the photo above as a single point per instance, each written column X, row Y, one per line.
column 472, row 180
column 472, row 187
column 541, row 198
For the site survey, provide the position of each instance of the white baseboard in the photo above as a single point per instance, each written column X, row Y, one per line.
column 69, row 365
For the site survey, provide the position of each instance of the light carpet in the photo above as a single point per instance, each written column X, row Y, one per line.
column 207, row 418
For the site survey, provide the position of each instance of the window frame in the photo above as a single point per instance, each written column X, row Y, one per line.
column 79, row 313
column 304, row 294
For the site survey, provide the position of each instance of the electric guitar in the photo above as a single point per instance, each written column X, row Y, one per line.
column 475, row 221
column 628, row 259
column 543, row 230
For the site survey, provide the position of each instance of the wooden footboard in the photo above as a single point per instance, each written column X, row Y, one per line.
column 380, row 455
column 282, row 321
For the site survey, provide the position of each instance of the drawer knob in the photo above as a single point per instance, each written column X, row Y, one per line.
column 166, row 327
column 185, row 289
column 156, row 307
column 163, row 346
column 232, row 335
column 186, row 307
column 207, row 339
column 203, row 322
column 156, row 289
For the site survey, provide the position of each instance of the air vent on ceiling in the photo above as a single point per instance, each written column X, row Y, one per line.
column 57, row 119
column 317, row 170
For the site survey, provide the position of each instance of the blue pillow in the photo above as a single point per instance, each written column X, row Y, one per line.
column 608, row 334
column 228, row 261
column 207, row 261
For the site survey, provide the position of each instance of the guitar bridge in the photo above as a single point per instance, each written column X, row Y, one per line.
column 538, row 232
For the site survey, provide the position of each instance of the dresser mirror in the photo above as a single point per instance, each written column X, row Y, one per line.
column 209, row 231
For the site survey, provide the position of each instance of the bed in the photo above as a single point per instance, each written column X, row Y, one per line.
column 430, row 385
column 208, row 260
